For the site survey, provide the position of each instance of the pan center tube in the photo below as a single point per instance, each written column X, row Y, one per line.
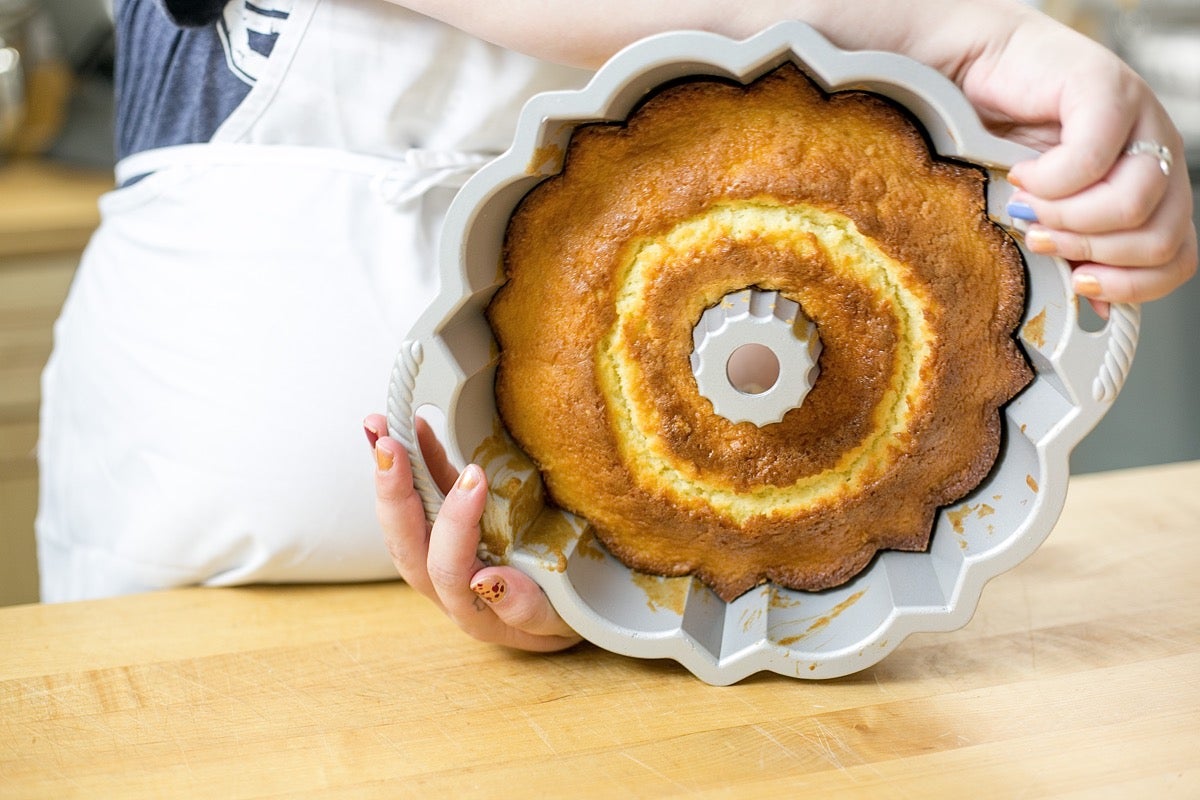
column 754, row 356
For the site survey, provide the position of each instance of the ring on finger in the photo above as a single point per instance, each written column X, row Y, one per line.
column 1152, row 148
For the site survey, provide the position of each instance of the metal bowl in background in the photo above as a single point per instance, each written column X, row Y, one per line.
column 35, row 80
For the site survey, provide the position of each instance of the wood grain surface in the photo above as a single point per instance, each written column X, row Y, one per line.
column 1078, row 677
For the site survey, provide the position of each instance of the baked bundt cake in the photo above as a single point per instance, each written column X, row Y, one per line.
column 834, row 202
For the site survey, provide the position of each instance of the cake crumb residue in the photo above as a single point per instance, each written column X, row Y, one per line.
column 1034, row 331
column 552, row 534
column 665, row 594
column 750, row 619
column 959, row 516
column 546, row 160
column 780, row 599
column 589, row 546
column 515, row 494
column 1032, row 483
column 821, row 622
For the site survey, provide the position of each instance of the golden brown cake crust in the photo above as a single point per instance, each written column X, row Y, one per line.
column 798, row 509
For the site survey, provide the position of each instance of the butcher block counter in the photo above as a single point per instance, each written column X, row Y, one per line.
column 1078, row 676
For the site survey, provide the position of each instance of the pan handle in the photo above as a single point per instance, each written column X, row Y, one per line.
column 406, row 394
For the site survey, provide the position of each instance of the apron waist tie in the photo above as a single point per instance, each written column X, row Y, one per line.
column 396, row 181
column 424, row 169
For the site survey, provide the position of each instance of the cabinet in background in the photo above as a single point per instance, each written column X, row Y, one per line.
column 47, row 213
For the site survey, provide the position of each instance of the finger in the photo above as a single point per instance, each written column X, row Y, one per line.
column 443, row 472
column 452, row 559
column 1133, row 249
column 401, row 514
column 1158, row 241
column 522, row 606
column 1124, row 200
column 1132, row 285
column 1101, row 307
column 374, row 425
column 1093, row 136
column 454, row 570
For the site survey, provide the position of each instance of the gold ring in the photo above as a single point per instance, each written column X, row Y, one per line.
column 1152, row 148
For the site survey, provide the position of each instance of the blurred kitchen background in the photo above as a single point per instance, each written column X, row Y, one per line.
column 56, row 148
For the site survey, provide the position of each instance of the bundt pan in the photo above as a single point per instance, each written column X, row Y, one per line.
column 448, row 364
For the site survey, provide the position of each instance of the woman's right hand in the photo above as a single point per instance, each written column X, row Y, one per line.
column 496, row 604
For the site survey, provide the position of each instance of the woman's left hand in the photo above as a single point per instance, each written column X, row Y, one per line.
column 496, row 604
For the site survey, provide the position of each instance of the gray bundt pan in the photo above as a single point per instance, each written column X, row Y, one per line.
column 449, row 359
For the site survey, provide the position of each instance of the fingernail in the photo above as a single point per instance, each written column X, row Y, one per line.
column 383, row 459
column 491, row 589
column 1086, row 285
column 1039, row 240
column 469, row 478
column 372, row 436
column 1019, row 209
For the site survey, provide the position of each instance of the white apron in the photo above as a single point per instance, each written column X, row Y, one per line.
column 237, row 312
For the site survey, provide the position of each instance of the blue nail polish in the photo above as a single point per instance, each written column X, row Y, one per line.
column 1023, row 211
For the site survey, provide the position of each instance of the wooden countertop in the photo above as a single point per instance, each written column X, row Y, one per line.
column 1079, row 675
column 47, row 207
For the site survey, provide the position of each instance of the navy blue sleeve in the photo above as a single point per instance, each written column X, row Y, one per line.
column 174, row 83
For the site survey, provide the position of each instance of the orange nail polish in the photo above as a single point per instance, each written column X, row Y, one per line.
column 1086, row 285
column 469, row 478
column 491, row 589
column 1040, row 241
column 383, row 459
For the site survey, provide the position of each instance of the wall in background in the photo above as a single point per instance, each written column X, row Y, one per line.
column 1156, row 418
column 79, row 23
column 85, row 36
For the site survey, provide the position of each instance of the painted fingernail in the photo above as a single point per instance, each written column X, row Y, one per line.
column 1039, row 240
column 492, row 589
column 372, row 436
column 469, row 478
column 1086, row 285
column 383, row 459
column 1019, row 209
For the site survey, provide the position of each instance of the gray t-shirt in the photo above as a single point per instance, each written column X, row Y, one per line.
column 176, row 84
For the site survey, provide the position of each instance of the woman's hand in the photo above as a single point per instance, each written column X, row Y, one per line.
column 500, row 605
column 1123, row 220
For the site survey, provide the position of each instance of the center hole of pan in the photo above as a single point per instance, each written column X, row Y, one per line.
column 752, row 368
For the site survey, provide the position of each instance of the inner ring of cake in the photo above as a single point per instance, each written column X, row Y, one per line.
column 801, row 230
